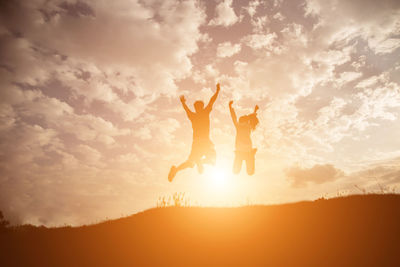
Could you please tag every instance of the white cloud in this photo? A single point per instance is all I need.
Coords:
(331, 58)
(225, 15)
(279, 16)
(373, 80)
(260, 24)
(252, 7)
(210, 70)
(359, 63)
(347, 76)
(295, 34)
(377, 102)
(259, 41)
(386, 46)
(227, 49)
(375, 22)
(122, 36)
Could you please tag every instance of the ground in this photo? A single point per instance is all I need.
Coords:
(349, 231)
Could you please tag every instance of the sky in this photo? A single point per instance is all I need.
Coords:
(90, 118)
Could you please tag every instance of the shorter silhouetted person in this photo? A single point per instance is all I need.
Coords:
(243, 145)
(202, 148)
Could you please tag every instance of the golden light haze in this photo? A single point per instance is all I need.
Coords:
(91, 120)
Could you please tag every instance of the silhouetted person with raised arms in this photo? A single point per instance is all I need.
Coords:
(202, 148)
(243, 145)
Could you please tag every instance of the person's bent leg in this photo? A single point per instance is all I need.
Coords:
(237, 163)
(174, 170)
(185, 165)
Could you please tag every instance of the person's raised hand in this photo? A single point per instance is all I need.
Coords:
(230, 103)
(256, 108)
(182, 98)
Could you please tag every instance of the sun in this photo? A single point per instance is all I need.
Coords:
(219, 186)
(219, 178)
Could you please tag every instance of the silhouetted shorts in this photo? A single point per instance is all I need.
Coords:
(202, 148)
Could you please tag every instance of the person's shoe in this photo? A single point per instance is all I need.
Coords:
(172, 173)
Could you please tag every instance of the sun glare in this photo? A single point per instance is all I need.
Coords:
(219, 177)
(219, 187)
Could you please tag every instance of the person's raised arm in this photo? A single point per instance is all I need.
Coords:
(189, 113)
(255, 109)
(233, 114)
(213, 98)
(254, 114)
(253, 120)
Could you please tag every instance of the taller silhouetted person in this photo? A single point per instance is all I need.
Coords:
(202, 148)
(243, 145)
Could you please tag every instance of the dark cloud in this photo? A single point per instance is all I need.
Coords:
(318, 174)
(77, 9)
(386, 173)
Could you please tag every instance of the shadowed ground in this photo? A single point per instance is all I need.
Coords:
(350, 231)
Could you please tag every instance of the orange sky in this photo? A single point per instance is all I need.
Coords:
(91, 120)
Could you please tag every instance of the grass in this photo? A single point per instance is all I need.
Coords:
(358, 230)
(177, 199)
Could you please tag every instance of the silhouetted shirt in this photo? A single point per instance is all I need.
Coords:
(200, 124)
(243, 140)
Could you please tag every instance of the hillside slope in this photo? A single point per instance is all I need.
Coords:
(350, 231)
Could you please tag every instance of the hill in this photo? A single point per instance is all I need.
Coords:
(350, 231)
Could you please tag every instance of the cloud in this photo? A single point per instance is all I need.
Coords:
(326, 61)
(386, 46)
(375, 22)
(384, 175)
(124, 37)
(347, 76)
(381, 175)
(279, 16)
(380, 101)
(259, 41)
(225, 15)
(318, 174)
(259, 24)
(77, 78)
(252, 7)
(227, 49)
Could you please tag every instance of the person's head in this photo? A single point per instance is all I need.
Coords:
(198, 106)
(251, 120)
(243, 119)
